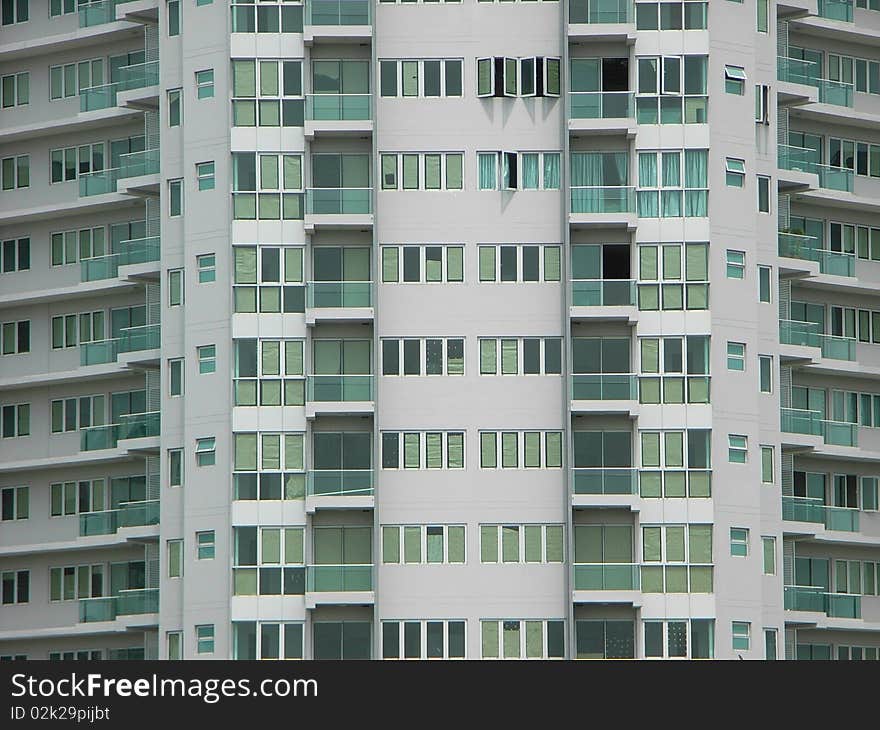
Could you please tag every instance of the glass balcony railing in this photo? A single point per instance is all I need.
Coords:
(339, 201)
(97, 97)
(97, 609)
(138, 425)
(606, 577)
(100, 182)
(799, 159)
(839, 433)
(340, 483)
(336, 294)
(604, 386)
(97, 438)
(338, 12)
(842, 519)
(135, 164)
(107, 522)
(339, 578)
(138, 76)
(99, 352)
(606, 481)
(800, 71)
(97, 13)
(797, 420)
(338, 107)
(137, 339)
(843, 605)
(812, 509)
(804, 598)
(125, 603)
(603, 292)
(139, 250)
(835, 178)
(836, 10)
(601, 104)
(339, 388)
(598, 199)
(806, 248)
(808, 334)
(99, 268)
(600, 11)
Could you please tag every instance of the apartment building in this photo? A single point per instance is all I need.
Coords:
(396, 330)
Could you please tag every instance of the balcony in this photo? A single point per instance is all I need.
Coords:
(612, 393)
(339, 395)
(808, 334)
(606, 577)
(338, 114)
(108, 522)
(100, 182)
(812, 509)
(839, 433)
(806, 161)
(836, 10)
(603, 299)
(126, 603)
(131, 339)
(339, 585)
(339, 489)
(130, 426)
(602, 112)
(339, 208)
(806, 248)
(350, 301)
(598, 481)
(797, 420)
(98, 13)
(603, 206)
(97, 97)
(139, 83)
(131, 252)
(817, 599)
(328, 21)
(806, 73)
(601, 20)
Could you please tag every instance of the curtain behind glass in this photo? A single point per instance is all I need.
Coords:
(696, 176)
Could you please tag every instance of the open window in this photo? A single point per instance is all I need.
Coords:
(485, 77)
(551, 76)
(734, 79)
(762, 104)
(670, 78)
(528, 79)
(510, 71)
(509, 171)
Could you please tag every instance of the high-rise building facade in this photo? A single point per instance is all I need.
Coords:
(356, 329)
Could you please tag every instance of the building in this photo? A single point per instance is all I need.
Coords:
(362, 329)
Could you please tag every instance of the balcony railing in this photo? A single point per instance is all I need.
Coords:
(800, 71)
(322, 578)
(107, 522)
(135, 164)
(840, 433)
(806, 248)
(808, 334)
(339, 201)
(601, 105)
(606, 481)
(340, 483)
(125, 603)
(812, 509)
(137, 339)
(97, 97)
(606, 577)
(99, 182)
(98, 352)
(604, 386)
(600, 11)
(98, 13)
(805, 159)
(139, 75)
(602, 199)
(130, 426)
(338, 12)
(339, 388)
(134, 251)
(99, 268)
(336, 294)
(338, 107)
(836, 10)
(603, 292)
(798, 420)
(818, 600)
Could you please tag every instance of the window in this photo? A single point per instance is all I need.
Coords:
(70, 246)
(205, 175)
(174, 641)
(268, 561)
(419, 264)
(681, 365)
(175, 197)
(740, 630)
(280, 461)
(423, 544)
(175, 287)
(765, 373)
(205, 84)
(521, 544)
(175, 110)
(675, 463)
(175, 377)
(763, 194)
(16, 337)
(15, 420)
(15, 255)
(736, 264)
(672, 90)
(518, 170)
(425, 78)
(734, 80)
(70, 414)
(762, 104)
(15, 90)
(422, 170)
(737, 449)
(73, 78)
(272, 368)
(267, 18)
(669, 189)
(175, 467)
(91, 654)
(605, 639)
(763, 8)
(736, 172)
(267, 640)
(520, 449)
(269, 93)
(207, 355)
(175, 558)
(268, 186)
(676, 15)
(663, 264)
(770, 644)
(205, 639)
(419, 356)
(205, 452)
(205, 545)
(521, 356)
(768, 468)
(68, 163)
(768, 545)
(15, 586)
(14, 503)
(173, 7)
(764, 284)
(736, 356)
(680, 640)
(686, 551)
(739, 542)
(86, 495)
(423, 449)
(530, 76)
(501, 263)
(15, 172)
(430, 639)
(516, 639)
(268, 279)
(206, 264)
(71, 329)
